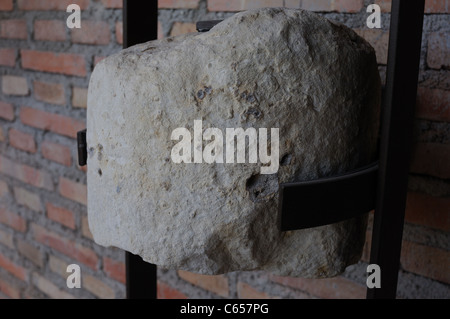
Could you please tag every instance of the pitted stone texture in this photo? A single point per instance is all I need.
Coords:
(270, 68)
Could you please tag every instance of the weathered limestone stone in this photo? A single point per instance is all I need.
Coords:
(315, 80)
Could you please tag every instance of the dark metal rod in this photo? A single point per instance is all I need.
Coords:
(140, 24)
(396, 142)
(140, 21)
(140, 277)
(205, 26)
(82, 147)
(301, 204)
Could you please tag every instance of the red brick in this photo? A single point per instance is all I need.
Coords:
(7, 111)
(431, 6)
(49, 288)
(114, 269)
(58, 266)
(43, 5)
(427, 261)
(56, 152)
(437, 6)
(329, 288)
(28, 199)
(6, 238)
(13, 29)
(365, 257)
(31, 252)
(119, 32)
(2, 135)
(112, 4)
(433, 104)
(85, 231)
(178, 4)
(79, 97)
(73, 190)
(379, 40)
(8, 289)
(49, 30)
(350, 6)
(65, 246)
(26, 174)
(4, 189)
(12, 220)
(97, 59)
(160, 30)
(51, 122)
(98, 287)
(49, 92)
(438, 52)
(333, 5)
(81, 168)
(92, 32)
(14, 85)
(216, 284)
(429, 211)
(317, 5)
(164, 291)
(22, 141)
(61, 215)
(245, 291)
(239, 5)
(385, 5)
(8, 57)
(6, 5)
(292, 4)
(431, 159)
(12, 268)
(63, 63)
(179, 28)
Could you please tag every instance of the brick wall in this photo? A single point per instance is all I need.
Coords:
(44, 74)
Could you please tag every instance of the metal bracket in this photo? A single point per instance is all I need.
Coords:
(204, 26)
(327, 200)
(82, 147)
(302, 205)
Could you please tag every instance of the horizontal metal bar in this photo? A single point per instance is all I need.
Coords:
(204, 26)
(327, 200)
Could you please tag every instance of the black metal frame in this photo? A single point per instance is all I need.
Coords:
(140, 25)
(405, 40)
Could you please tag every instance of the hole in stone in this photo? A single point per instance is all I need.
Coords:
(253, 111)
(261, 186)
(201, 94)
(286, 160)
(208, 89)
(100, 172)
(251, 98)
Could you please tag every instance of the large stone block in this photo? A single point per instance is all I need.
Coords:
(314, 80)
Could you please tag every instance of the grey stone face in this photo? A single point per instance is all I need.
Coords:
(270, 68)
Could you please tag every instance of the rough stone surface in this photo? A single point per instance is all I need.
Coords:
(270, 68)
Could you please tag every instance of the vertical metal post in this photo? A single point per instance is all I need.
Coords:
(140, 24)
(396, 141)
(140, 21)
